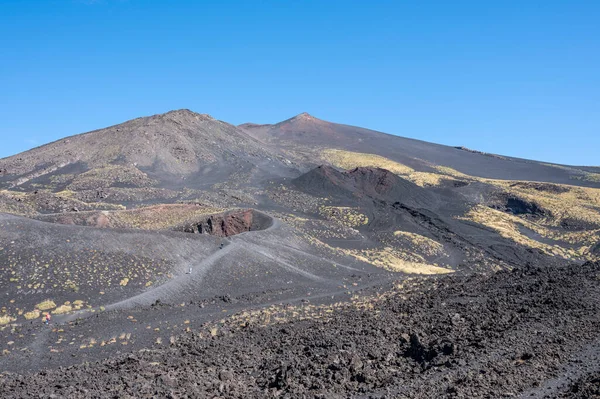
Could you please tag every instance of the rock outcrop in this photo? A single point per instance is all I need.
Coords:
(228, 224)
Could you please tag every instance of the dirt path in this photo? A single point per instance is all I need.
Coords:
(178, 285)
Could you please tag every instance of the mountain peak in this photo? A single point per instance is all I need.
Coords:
(184, 113)
(304, 116)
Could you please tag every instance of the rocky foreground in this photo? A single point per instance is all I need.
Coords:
(532, 332)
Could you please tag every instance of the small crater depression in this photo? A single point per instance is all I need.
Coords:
(517, 206)
(228, 223)
(520, 207)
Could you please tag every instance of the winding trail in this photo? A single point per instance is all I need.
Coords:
(176, 286)
(319, 279)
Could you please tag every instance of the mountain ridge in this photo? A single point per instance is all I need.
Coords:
(305, 117)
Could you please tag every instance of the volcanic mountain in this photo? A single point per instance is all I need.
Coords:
(176, 233)
(165, 147)
(307, 132)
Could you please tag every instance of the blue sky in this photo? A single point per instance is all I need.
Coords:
(519, 78)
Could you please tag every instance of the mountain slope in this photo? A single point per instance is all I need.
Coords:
(172, 144)
(375, 183)
(313, 134)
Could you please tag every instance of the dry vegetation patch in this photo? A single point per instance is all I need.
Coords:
(14, 202)
(348, 216)
(350, 160)
(109, 175)
(68, 272)
(507, 226)
(160, 217)
(594, 177)
(43, 200)
(34, 314)
(564, 202)
(427, 179)
(6, 319)
(279, 314)
(445, 170)
(46, 305)
(427, 245)
(565, 205)
(389, 259)
(156, 217)
(62, 309)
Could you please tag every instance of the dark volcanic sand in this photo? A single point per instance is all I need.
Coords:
(531, 331)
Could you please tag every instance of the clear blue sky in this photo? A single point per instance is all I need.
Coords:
(519, 78)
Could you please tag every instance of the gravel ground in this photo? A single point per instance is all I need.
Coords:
(499, 335)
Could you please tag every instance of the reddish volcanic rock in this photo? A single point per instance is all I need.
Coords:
(228, 224)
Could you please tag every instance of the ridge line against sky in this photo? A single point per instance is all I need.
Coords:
(517, 78)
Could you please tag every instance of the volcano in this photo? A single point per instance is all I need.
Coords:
(303, 258)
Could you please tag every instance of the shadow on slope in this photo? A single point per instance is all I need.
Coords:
(363, 183)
